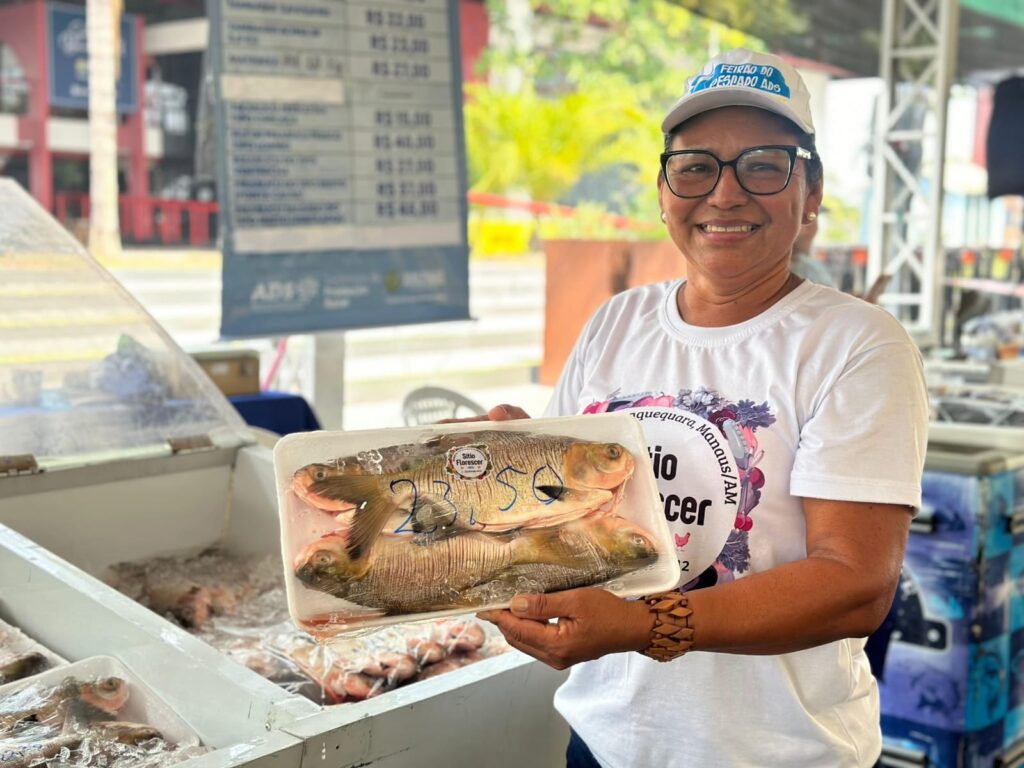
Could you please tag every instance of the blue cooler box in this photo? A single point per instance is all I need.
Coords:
(950, 679)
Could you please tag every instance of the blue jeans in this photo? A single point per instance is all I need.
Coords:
(577, 754)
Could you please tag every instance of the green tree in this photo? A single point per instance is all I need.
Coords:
(770, 18)
(598, 76)
(653, 45)
(542, 145)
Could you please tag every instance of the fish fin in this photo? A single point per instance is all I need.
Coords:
(553, 492)
(507, 535)
(575, 497)
(374, 507)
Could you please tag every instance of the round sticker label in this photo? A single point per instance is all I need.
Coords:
(469, 462)
(695, 467)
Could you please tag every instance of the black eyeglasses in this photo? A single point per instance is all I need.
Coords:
(759, 170)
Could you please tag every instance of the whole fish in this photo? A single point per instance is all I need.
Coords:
(37, 753)
(490, 480)
(37, 704)
(404, 576)
(21, 665)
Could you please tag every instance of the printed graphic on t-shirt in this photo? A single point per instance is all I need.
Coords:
(705, 456)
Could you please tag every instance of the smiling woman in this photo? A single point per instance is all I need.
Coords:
(736, 222)
(816, 398)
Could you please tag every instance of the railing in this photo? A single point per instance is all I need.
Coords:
(847, 264)
(149, 219)
(538, 208)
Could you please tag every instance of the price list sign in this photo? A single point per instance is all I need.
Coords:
(341, 164)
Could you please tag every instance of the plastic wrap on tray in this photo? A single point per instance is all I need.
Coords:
(357, 668)
(22, 657)
(239, 606)
(385, 526)
(91, 713)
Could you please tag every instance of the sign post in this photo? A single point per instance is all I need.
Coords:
(341, 164)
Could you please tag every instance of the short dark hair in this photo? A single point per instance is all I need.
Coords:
(815, 171)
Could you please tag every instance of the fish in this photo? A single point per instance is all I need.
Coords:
(426, 651)
(124, 732)
(33, 703)
(618, 548)
(408, 577)
(356, 686)
(448, 664)
(404, 576)
(489, 480)
(190, 604)
(36, 753)
(22, 665)
(459, 636)
(392, 666)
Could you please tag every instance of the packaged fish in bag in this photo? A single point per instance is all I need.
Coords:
(21, 656)
(94, 712)
(358, 667)
(387, 526)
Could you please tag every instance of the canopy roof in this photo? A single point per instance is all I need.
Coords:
(845, 35)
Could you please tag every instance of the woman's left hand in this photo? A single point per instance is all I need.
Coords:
(591, 623)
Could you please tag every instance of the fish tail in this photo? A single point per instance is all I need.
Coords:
(374, 506)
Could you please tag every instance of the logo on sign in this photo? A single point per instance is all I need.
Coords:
(469, 462)
(697, 481)
(761, 78)
(71, 40)
(285, 291)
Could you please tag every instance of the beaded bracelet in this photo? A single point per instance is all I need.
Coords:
(671, 635)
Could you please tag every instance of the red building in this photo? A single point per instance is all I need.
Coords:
(167, 193)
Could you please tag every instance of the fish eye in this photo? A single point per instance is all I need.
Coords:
(320, 474)
(323, 558)
(614, 451)
(638, 540)
(109, 685)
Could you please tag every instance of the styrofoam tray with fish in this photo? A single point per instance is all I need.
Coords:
(142, 705)
(22, 657)
(386, 526)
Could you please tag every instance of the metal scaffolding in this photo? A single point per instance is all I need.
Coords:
(918, 56)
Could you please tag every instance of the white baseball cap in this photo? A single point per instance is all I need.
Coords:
(744, 78)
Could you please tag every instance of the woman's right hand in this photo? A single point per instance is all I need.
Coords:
(502, 412)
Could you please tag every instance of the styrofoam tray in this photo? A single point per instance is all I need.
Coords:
(309, 608)
(143, 705)
(13, 641)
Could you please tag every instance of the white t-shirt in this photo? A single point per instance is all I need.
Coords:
(824, 396)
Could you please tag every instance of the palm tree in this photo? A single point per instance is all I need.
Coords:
(103, 20)
(541, 145)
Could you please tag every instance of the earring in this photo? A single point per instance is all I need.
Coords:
(811, 216)
(664, 217)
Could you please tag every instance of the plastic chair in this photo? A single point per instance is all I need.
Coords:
(428, 405)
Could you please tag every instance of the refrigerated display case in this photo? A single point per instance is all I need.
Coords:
(952, 682)
(115, 447)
